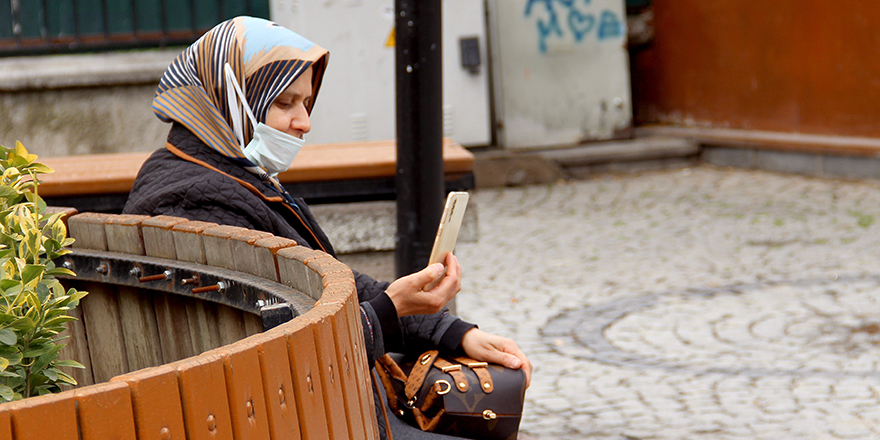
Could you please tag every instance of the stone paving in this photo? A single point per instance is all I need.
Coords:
(701, 303)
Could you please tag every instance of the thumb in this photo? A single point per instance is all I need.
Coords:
(429, 274)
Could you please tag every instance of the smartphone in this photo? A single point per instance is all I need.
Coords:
(447, 232)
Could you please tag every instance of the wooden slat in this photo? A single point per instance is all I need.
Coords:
(253, 324)
(105, 412)
(218, 246)
(139, 329)
(77, 348)
(30, 417)
(203, 326)
(88, 230)
(124, 234)
(171, 317)
(75, 175)
(104, 332)
(265, 250)
(331, 377)
(244, 385)
(334, 342)
(155, 398)
(307, 385)
(244, 254)
(158, 239)
(362, 369)
(278, 385)
(5, 425)
(203, 395)
(188, 241)
(230, 325)
(294, 272)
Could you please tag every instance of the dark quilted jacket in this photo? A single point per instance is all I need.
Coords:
(169, 185)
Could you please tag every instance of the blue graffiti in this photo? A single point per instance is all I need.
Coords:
(579, 23)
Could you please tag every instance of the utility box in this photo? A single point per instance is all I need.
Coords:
(357, 98)
(561, 71)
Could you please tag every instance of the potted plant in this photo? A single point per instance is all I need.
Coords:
(34, 306)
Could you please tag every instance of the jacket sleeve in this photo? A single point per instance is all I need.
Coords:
(385, 332)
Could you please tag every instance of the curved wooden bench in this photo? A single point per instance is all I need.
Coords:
(169, 357)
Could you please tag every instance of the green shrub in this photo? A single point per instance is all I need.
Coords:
(34, 305)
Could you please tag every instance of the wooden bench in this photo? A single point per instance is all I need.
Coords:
(169, 356)
(341, 172)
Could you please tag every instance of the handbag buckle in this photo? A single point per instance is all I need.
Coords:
(440, 384)
(489, 414)
(451, 368)
(473, 365)
(411, 403)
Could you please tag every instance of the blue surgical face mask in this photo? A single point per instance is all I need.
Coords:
(272, 149)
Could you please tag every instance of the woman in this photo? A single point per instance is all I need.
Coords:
(220, 163)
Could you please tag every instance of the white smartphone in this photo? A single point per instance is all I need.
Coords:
(447, 232)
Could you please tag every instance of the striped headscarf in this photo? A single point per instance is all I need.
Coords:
(266, 59)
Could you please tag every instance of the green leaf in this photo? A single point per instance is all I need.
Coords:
(31, 272)
(59, 321)
(8, 337)
(13, 358)
(66, 378)
(3, 363)
(51, 373)
(6, 393)
(8, 192)
(59, 271)
(70, 364)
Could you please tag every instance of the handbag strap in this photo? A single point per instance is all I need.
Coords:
(418, 374)
(454, 370)
(481, 369)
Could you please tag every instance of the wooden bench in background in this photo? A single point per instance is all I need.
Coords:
(343, 172)
(169, 359)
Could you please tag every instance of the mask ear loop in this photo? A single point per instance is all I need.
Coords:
(232, 88)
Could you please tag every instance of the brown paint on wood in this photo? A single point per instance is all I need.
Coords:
(331, 377)
(77, 348)
(29, 417)
(795, 67)
(105, 412)
(171, 318)
(158, 239)
(75, 175)
(104, 332)
(244, 385)
(347, 370)
(155, 398)
(188, 240)
(360, 363)
(277, 385)
(204, 398)
(124, 234)
(5, 425)
(265, 250)
(307, 385)
(140, 330)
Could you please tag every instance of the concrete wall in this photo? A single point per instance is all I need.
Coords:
(80, 104)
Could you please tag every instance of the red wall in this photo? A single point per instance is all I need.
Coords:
(799, 66)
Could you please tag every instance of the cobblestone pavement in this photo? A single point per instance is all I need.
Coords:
(701, 303)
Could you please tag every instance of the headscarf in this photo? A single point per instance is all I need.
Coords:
(265, 57)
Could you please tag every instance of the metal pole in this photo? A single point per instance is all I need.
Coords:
(419, 179)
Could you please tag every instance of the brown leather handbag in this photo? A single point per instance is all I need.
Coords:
(455, 396)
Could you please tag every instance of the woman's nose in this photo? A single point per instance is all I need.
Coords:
(300, 121)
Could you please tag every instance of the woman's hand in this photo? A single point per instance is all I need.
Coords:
(486, 347)
(408, 297)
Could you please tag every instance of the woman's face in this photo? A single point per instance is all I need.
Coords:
(288, 113)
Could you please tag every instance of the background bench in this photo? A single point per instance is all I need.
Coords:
(344, 172)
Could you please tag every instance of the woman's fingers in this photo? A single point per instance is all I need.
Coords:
(487, 347)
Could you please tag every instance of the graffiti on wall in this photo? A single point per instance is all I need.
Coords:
(571, 17)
